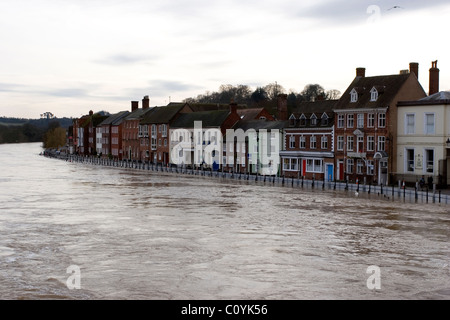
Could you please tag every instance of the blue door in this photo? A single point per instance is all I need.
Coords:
(330, 172)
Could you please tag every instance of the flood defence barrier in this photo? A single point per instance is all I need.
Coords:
(398, 192)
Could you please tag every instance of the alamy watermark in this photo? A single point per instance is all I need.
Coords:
(374, 280)
(375, 14)
(201, 146)
(74, 281)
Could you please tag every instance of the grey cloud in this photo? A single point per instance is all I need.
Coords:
(167, 86)
(355, 11)
(10, 87)
(67, 93)
(126, 59)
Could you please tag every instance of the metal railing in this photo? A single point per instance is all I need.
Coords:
(391, 192)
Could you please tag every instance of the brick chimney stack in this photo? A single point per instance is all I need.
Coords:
(233, 107)
(361, 72)
(414, 68)
(134, 105)
(146, 103)
(434, 78)
(282, 107)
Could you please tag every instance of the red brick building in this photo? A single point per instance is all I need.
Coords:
(308, 141)
(154, 132)
(131, 136)
(366, 125)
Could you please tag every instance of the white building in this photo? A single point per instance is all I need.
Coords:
(423, 132)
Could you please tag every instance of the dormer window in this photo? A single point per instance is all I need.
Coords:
(353, 96)
(302, 120)
(313, 120)
(292, 120)
(373, 94)
(324, 119)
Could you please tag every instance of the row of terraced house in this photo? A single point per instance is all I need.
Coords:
(383, 129)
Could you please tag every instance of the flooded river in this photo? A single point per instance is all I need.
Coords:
(76, 231)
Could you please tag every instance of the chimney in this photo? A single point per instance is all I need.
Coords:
(145, 102)
(414, 68)
(134, 105)
(233, 107)
(361, 72)
(282, 107)
(434, 78)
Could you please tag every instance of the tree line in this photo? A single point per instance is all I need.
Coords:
(264, 95)
(52, 135)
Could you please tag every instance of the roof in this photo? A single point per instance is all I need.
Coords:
(138, 113)
(200, 107)
(317, 108)
(249, 114)
(260, 124)
(442, 97)
(115, 119)
(208, 118)
(162, 114)
(387, 87)
(439, 96)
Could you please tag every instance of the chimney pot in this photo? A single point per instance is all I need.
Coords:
(145, 102)
(414, 68)
(434, 78)
(361, 72)
(282, 107)
(134, 105)
(233, 107)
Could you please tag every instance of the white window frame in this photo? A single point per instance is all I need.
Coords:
(373, 95)
(426, 129)
(350, 120)
(370, 120)
(341, 121)
(407, 128)
(360, 120)
(381, 145)
(350, 143)
(382, 120)
(340, 143)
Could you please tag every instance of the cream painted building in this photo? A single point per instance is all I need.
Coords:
(423, 132)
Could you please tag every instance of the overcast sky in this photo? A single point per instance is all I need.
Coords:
(69, 57)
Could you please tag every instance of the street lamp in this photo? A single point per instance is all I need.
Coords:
(448, 142)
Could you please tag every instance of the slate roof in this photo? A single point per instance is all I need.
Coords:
(208, 118)
(200, 107)
(162, 114)
(260, 124)
(387, 86)
(115, 118)
(138, 113)
(250, 113)
(442, 97)
(318, 108)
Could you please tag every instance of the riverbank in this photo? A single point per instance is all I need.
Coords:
(389, 193)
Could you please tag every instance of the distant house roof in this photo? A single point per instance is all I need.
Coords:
(260, 124)
(250, 113)
(200, 107)
(208, 118)
(115, 118)
(442, 97)
(387, 87)
(439, 96)
(319, 108)
(138, 113)
(162, 114)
